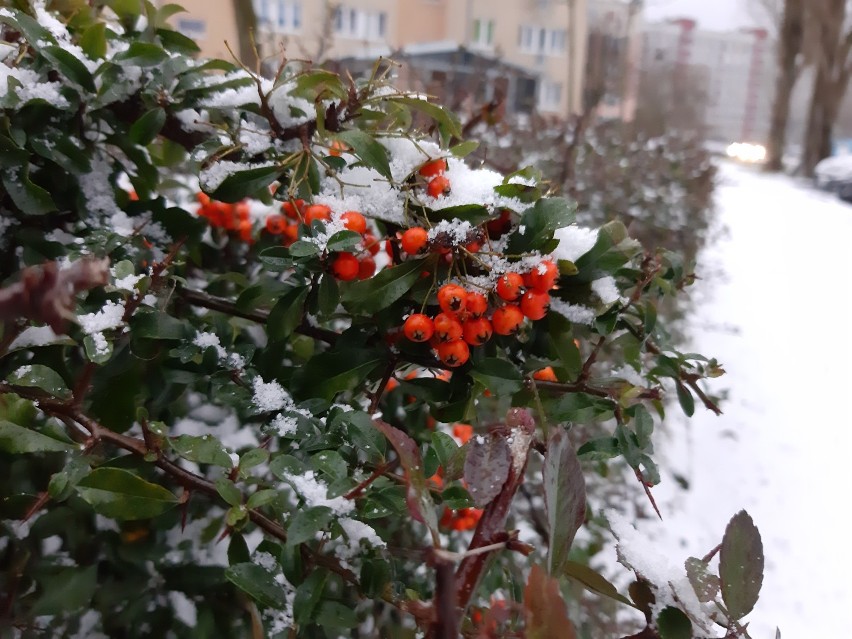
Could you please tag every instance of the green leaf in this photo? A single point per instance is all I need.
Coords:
(63, 483)
(94, 352)
(687, 401)
(157, 325)
(69, 67)
(456, 497)
(93, 41)
(464, 148)
(375, 577)
(445, 446)
(202, 449)
(331, 463)
(741, 565)
(119, 494)
(70, 589)
(303, 248)
(332, 372)
(41, 377)
(308, 595)
(276, 259)
(343, 241)
(228, 491)
(594, 581)
(262, 498)
(258, 583)
(142, 54)
(370, 152)
(307, 522)
(540, 222)
(499, 376)
(564, 498)
(333, 614)
(448, 123)
(372, 295)
(644, 425)
(287, 314)
(17, 439)
(601, 449)
(245, 183)
(672, 623)
(30, 198)
(147, 127)
(328, 295)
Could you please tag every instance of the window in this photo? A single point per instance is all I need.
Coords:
(483, 34)
(540, 41)
(192, 28)
(550, 95)
(363, 25)
(279, 15)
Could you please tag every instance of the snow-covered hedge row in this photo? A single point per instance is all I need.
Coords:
(277, 363)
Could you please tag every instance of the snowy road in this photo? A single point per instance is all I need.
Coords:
(782, 448)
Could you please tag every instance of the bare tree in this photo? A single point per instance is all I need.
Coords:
(832, 35)
(791, 41)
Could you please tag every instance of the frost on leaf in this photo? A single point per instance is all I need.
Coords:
(486, 468)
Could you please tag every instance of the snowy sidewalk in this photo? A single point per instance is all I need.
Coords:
(780, 322)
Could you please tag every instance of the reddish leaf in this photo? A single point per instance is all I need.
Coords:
(564, 498)
(741, 565)
(704, 583)
(418, 498)
(546, 614)
(486, 467)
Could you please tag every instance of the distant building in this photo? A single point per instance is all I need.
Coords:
(738, 69)
(547, 39)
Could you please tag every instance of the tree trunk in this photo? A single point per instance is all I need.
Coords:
(791, 39)
(246, 22)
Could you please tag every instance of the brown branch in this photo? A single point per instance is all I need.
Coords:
(597, 391)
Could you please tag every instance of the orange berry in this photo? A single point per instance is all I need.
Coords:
(544, 276)
(510, 286)
(366, 267)
(133, 195)
(454, 353)
(291, 234)
(500, 226)
(414, 240)
(447, 328)
(370, 244)
(534, 304)
(476, 304)
(317, 212)
(463, 431)
(545, 375)
(276, 224)
(438, 186)
(507, 320)
(354, 221)
(202, 198)
(242, 210)
(345, 267)
(292, 210)
(433, 168)
(473, 247)
(337, 147)
(245, 230)
(477, 331)
(452, 298)
(418, 328)
(392, 383)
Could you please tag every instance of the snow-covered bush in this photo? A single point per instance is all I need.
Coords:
(301, 401)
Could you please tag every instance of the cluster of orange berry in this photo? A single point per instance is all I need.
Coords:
(438, 183)
(463, 322)
(231, 217)
(344, 265)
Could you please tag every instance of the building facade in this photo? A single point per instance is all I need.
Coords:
(737, 68)
(545, 37)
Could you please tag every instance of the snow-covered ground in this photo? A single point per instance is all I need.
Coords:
(776, 309)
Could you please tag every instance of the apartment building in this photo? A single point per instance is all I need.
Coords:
(547, 38)
(738, 68)
(614, 57)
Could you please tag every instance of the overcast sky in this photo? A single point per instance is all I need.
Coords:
(711, 14)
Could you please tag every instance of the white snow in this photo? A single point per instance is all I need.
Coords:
(35, 336)
(781, 448)
(110, 316)
(269, 396)
(574, 242)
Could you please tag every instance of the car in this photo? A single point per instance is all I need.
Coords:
(835, 174)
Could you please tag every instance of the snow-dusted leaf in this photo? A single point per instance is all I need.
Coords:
(418, 498)
(564, 498)
(307, 522)
(370, 152)
(41, 377)
(486, 467)
(741, 565)
(539, 222)
(258, 583)
(546, 613)
(704, 583)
